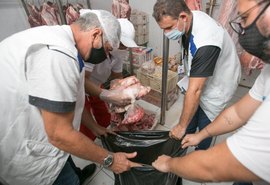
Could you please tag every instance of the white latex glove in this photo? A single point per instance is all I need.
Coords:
(116, 97)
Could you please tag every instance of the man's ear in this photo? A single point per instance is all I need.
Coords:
(183, 16)
(96, 32)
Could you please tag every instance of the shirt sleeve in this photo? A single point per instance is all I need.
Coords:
(117, 64)
(257, 89)
(204, 61)
(53, 79)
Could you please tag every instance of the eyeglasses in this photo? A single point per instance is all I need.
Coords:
(236, 22)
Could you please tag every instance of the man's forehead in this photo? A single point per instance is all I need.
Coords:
(166, 21)
(244, 5)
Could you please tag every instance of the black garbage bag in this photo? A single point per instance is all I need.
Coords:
(148, 145)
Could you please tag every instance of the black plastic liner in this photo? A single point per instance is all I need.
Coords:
(148, 145)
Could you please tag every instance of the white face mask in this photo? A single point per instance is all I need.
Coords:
(175, 34)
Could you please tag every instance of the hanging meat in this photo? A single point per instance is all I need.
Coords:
(47, 14)
(34, 18)
(194, 4)
(50, 14)
(121, 9)
(71, 14)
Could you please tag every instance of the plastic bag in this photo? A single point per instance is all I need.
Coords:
(149, 145)
(148, 67)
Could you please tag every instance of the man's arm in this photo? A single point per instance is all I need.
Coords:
(90, 87)
(115, 75)
(229, 120)
(206, 166)
(62, 135)
(191, 103)
(202, 67)
(110, 96)
(90, 123)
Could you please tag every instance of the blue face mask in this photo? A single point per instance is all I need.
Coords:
(175, 34)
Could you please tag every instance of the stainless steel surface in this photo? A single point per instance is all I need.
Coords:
(165, 56)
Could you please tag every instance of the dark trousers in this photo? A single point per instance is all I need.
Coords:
(69, 174)
(200, 120)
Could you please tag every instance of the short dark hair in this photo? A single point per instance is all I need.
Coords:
(169, 8)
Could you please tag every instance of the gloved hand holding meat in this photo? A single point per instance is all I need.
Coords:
(123, 91)
(130, 87)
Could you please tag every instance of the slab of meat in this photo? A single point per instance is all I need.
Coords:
(49, 14)
(123, 83)
(194, 4)
(78, 6)
(34, 18)
(133, 115)
(135, 91)
(116, 118)
(121, 9)
(146, 123)
(71, 14)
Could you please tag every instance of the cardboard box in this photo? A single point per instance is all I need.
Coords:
(155, 80)
(154, 97)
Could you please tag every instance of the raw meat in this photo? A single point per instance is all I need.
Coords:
(48, 14)
(34, 18)
(121, 9)
(135, 91)
(123, 83)
(146, 123)
(116, 118)
(133, 115)
(71, 14)
(194, 4)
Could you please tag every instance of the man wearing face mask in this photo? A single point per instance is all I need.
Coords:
(245, 155)
(43, 99)
(211, 64)
(97, 74)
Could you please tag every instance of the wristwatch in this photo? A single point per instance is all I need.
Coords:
(107, 161)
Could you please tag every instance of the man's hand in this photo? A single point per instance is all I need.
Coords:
(177, 132)
(121, 162)
(116, 97)
(162, 163)
(191, 140)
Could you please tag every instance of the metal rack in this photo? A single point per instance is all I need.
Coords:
(59, 5)
(210, 7)
(165, 57)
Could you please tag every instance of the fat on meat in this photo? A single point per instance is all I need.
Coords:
(133, 115)
(34, 18)
(123, 83)
(121, 9)
(194, 4)
(131, 87)
(49, 15)
(71, 14)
